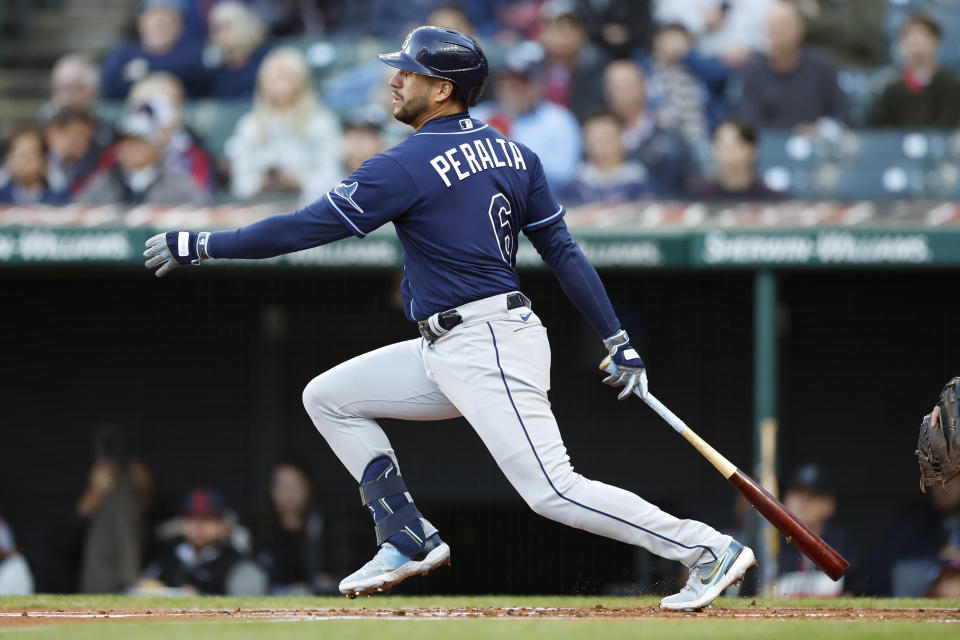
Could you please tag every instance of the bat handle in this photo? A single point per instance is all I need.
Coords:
(670, 417)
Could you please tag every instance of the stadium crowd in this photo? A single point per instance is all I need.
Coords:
(622, 99)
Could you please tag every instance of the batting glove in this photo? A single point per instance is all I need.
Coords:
(167, 251)
(631, 373)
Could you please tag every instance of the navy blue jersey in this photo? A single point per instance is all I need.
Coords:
(458, 194)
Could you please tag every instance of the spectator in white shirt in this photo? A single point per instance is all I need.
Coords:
(290, 144)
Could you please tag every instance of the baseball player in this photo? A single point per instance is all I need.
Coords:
(458, 194)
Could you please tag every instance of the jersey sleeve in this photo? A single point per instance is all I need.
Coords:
(378, 192)
(543, 209)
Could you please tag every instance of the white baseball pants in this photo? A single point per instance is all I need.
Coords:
(494, 370)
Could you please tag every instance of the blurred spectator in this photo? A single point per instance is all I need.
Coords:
(238, 47)
(452, 16)
(606, 176)
(926, 94)
(196, 16)
(74, 82)
(682, 97)
(947, 582)
(662, 153)
(456, 16)
(291, 544)
(573, 66)
(921, 540)
(163, 46)
(386, 19)
(729, 30)
(287, 18)
(849, 31)
(810, 496)
(791, 87)
(139, 176)
(735, 164)
(619, 27)
(74, 150)
(361, 141)
(520, 112)
(16, 578)
(203, 561)
(113, 507)
(163, 93)
(25, 172)
(290, 143)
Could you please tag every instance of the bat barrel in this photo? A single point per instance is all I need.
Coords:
(812, 545)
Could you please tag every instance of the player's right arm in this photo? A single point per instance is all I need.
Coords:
(548, 233)
(379, 191)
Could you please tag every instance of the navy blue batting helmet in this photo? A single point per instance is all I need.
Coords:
(443, 53)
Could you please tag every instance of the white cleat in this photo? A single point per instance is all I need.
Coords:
(709, 579)
(390, 567)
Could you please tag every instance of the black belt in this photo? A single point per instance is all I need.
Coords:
(450, 318)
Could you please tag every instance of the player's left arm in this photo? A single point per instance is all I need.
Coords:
(582, 285)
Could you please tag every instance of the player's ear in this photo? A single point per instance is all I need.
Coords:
(444, 90)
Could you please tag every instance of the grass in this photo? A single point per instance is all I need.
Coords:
(495, 630)
(426, 629)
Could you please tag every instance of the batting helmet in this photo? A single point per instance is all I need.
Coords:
(443, 53)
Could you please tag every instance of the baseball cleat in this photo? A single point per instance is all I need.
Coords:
(709, 579)
(390, 567)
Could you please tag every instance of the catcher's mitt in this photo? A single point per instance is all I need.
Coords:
(938, 449)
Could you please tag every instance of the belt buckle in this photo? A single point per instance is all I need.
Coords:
(424, 328)
(516, 300)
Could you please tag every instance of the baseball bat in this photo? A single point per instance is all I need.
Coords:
(795, 531)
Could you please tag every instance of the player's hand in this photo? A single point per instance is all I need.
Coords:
(631, 373)
(166, 251)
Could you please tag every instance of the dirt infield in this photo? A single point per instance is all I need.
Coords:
(25, 617)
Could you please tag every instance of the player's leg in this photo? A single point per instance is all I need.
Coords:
(497, 374)
(343, 403)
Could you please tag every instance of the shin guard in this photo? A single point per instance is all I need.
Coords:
(395, 517)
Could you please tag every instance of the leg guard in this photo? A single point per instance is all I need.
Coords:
(395, 517)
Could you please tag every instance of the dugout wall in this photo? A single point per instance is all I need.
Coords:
(203, 370)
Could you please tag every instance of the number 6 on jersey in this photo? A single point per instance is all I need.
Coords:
(500, 219)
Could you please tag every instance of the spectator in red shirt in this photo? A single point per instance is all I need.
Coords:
(926, 94)
(163, 94)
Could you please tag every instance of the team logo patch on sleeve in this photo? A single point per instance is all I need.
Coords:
(346, 192)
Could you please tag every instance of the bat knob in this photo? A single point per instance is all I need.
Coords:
(608, 365)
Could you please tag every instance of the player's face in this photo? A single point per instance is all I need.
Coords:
(410, 95)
